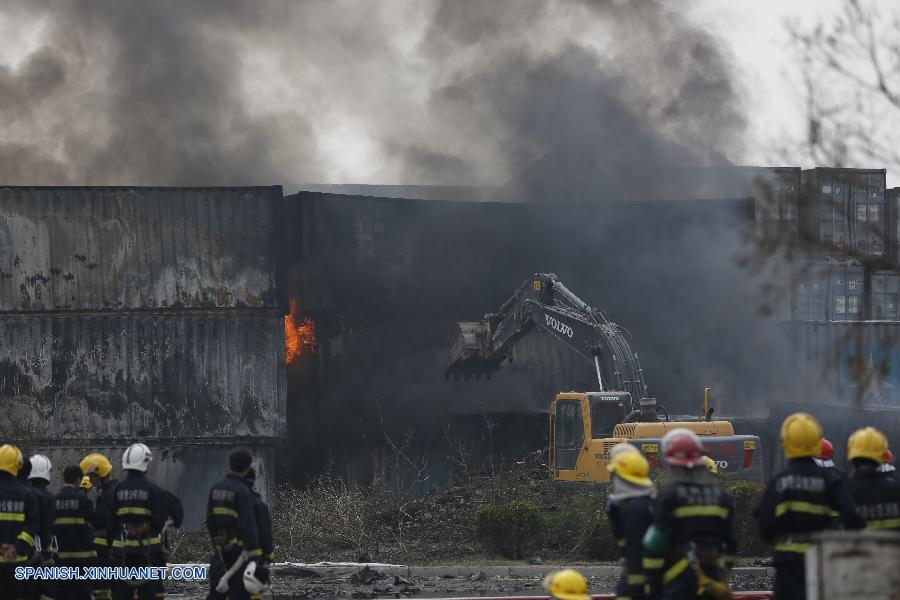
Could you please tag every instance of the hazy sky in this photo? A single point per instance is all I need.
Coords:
(757, 35)
(384, 92)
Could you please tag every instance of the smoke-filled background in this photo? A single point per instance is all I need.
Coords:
(572, 106)
(461, 92)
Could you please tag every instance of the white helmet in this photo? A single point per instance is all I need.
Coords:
(40, 467)
(137, 457)
(251, 583)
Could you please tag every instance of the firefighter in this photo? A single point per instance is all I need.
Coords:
(99, 471)
(137, 514)
(688, 548)
(39, 479)
(799, 500)
(256, 576)
(263, 518)
(887, 468)
(232, 525)
(877, 498)
(74, 535)
(19, 523)
(630, 510)
(39, 468)
(567, 584)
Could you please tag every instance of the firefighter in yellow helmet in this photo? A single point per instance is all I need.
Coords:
(99, 471)
(567, 584)
(630, 511)
(799, 500)
(688, 549)
(877, 498)
(20, 522)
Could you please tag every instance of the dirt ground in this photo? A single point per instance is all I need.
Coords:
(386, 586)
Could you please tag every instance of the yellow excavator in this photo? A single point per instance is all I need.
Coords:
(584, 426)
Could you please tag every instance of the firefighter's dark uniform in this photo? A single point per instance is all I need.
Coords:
(137, 514)
(100, 522)
(630, 519)
(231, 522)
(877, 499)
(264, 528)
(19, 523)
(697, 518)
(34, 588)
(799, 500)
(73, 514)
(45, 509)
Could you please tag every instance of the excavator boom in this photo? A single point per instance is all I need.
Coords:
(544, 304)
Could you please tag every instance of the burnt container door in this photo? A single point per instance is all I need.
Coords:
(811, 299)
(846, 291)
(894, 222)
(867, 208)
(885, 288)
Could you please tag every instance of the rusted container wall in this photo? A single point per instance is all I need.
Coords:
(136, 248)
(186, 470)
(149, 376)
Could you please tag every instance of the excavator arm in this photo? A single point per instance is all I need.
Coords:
(543, 303)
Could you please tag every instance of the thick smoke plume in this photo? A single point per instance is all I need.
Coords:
(454, 92)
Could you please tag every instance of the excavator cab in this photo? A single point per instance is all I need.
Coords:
(577, 418)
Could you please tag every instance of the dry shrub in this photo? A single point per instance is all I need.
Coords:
(329, 519)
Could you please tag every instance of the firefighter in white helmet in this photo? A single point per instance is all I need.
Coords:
(138, 514)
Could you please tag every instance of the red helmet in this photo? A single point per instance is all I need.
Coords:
(682, 448)
(888, 457)
(827, 451)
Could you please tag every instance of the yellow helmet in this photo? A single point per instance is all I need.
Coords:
(801, 436)
(10, 459)
(710, 465)
(869, 443)
(95, 463)
(86, 483)
(567, 584)
(630, 466)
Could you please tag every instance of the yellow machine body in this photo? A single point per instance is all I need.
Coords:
(583, 431)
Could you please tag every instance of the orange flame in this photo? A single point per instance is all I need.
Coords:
(298, 338)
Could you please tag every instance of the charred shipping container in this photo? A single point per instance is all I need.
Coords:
(145, 314)
(849, 364)
(893, 219)
(829, 290)
(843, 210)
(777, 194)
(384, 280)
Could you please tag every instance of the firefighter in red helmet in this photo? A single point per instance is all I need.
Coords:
(688, 548)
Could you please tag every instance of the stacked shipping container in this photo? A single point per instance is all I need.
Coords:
(842, 212)
(142, 314)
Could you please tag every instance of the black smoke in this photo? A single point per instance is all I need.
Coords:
(454, 92)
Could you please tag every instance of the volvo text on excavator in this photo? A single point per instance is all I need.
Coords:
(584, 426)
